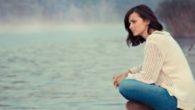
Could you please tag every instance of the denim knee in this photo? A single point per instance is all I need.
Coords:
(126, 86)
(138, 91)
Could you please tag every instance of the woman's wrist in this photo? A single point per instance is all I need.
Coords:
(126, 74)
(129, 71)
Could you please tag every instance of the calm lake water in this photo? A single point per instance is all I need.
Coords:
(68, 68)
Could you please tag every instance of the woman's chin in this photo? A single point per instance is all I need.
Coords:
(135, 34)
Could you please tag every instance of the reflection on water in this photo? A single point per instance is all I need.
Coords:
(55, 71)
(47, 72)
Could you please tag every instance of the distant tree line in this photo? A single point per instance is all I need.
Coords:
(59, 11)
(178, 16)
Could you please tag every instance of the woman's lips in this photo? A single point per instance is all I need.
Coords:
(133, 31)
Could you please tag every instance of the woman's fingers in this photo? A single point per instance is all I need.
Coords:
(115, 82)
(117, 79)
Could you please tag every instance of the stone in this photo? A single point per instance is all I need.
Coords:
(131, 105)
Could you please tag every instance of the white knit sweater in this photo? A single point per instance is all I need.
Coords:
(165, 65)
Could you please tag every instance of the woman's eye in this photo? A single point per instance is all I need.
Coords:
(132, 21)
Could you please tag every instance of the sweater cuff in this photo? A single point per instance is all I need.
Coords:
(130, 76)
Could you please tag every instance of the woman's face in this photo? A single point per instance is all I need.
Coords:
(138, 26)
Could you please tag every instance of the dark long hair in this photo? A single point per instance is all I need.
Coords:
(146, 14)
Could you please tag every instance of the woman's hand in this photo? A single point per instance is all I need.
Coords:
(118, 78)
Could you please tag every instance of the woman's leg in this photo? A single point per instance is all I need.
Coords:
(151, 95)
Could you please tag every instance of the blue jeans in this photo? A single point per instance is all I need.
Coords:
(149, 94)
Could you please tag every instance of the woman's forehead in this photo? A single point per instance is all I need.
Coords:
(133, 16)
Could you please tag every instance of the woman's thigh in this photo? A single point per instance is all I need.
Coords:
(149, 94)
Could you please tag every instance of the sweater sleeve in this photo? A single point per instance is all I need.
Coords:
(152, 64)
(135, 69)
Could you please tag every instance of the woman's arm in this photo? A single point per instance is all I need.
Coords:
(153, 61)
(135, 70)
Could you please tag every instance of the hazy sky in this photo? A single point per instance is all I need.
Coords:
(12, 11)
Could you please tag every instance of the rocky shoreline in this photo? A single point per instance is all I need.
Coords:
(188, 46)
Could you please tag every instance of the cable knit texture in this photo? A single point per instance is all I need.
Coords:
(165, 65)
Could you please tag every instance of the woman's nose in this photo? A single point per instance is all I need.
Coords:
(130, 26)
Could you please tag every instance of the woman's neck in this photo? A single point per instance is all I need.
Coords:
(147, 33)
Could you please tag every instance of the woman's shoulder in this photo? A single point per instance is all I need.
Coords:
(159, 37)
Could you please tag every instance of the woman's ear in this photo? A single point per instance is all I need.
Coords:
(147, 22)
